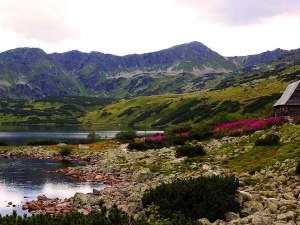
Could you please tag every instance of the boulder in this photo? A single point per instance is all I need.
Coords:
(142, 175)
(83, 147)
(261, 218)
(203, 221)
(231, 216)
(32, 206)
(60, 145)
(251, 207)
(286, 216)
(85, 199)
(289, 196)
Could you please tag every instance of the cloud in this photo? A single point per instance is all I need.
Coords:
(242, 12)
(39, 20)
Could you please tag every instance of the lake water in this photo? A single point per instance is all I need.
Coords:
(21, 135)
(21, 178)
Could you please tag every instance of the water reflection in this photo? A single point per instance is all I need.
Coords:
(28, 178)
(21, 135)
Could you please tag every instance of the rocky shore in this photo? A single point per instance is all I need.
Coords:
(269, 196)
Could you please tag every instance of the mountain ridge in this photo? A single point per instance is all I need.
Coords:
(31, 73)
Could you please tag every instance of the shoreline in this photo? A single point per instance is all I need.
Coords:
(267, 196)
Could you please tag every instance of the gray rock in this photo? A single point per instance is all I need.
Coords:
(86, 199)
(286, 216)
(252, 207)
(245, 196)
(83, 147)
(289, 196)
(142, 175)
(231, 216)
(219, 222)
(272, 207)
(203, 221)
(261, 218)
(60, 145)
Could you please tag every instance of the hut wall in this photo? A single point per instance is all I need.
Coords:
(287, 111)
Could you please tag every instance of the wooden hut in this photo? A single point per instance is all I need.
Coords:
(289, 103)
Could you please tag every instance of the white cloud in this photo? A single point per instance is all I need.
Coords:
(36, 20)
(229, 27)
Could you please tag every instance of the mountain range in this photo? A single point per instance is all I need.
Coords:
(30, 73)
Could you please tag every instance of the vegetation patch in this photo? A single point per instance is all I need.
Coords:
(65, 151)
(269, 140)
(190, 151)
(203, 197)
(42, 142)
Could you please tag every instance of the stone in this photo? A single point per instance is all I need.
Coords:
(286, 216)
(83, 147)
(219, 222)
(272, 207)
(85, 199)
(261, 218)
(60, 145)
(203, 221)
(33, 206)
(245, 196)
(142, 175)
(289, 196)
(231, 216)
(42, 198)
(268, 194)
(252, 207)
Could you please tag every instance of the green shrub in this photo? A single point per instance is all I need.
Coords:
(42, 142)
(65, 151)
(298, 168)
(126, 136)
(93, 138)
(190, 151)
(203, 197)
(200, 132)
(136, 146)
(269, 140)
(2, 143)
(177, 140)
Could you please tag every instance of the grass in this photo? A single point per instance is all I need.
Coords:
(243, 156)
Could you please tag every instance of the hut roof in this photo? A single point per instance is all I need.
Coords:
(287, 93)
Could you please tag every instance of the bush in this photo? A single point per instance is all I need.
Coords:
(42, 142)
(177, 140)
(298, 168)
(269, 140)
(65, 151)
(136, 146)
(126, 136)
(2, 143)
(200, 133)
(203, 197)
(190, 151)
(93, 138)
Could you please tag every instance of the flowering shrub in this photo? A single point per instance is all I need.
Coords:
(244, 126)
(241, 123)
(263, 124)
(156, 137)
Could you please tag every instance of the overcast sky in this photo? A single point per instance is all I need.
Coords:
(121, 27)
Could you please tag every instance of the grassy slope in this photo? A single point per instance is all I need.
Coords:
(241, 155)
(126, 111)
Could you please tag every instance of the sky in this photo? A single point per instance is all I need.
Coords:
(122, 27)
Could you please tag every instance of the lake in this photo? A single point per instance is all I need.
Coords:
(21, 135)
(28, 178)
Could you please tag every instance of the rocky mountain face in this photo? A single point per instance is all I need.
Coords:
(31, 73)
